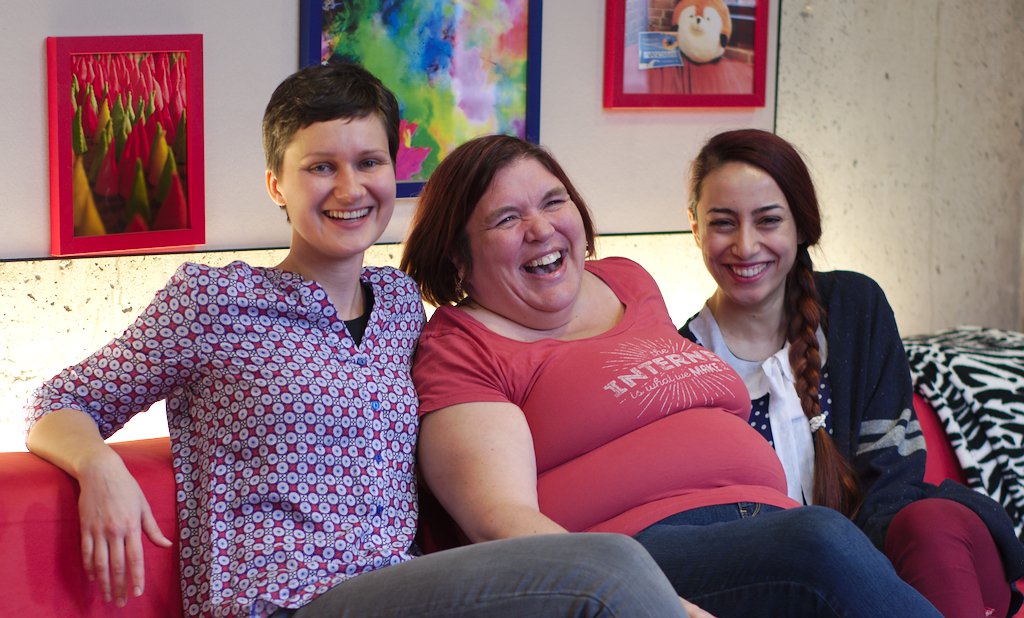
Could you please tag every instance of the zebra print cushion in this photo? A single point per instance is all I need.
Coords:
(974, 378)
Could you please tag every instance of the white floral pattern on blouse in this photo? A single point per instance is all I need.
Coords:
(292, 446)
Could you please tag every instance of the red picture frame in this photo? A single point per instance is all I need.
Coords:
(645, 65)
(126, 144)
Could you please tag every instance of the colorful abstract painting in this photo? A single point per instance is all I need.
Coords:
(460, 68)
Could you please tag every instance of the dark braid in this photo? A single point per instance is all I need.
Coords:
(835, 484)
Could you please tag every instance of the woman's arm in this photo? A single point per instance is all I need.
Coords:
(872, 399)
(478, 460)
(112, 509)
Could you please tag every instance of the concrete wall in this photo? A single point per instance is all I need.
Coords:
(912, 117)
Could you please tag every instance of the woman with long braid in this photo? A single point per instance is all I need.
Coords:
(829, 380)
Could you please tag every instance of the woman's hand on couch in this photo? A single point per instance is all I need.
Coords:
(113, 511)
(114, 514)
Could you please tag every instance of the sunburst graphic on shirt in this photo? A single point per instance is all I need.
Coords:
(661, 376)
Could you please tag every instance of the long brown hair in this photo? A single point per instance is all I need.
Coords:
(835, 483)
(437, 238)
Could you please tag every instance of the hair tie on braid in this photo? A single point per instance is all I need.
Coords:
(817, 422)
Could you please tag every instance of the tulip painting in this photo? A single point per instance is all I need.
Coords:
(126, 168)
(142, 101)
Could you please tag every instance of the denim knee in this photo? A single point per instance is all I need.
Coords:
(620, 575)
(827, 527)
(612, 551)
(831, 540)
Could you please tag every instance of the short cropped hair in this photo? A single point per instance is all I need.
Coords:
(437, 238)
(324, 92)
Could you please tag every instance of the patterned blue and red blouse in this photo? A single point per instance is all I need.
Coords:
(292, 444)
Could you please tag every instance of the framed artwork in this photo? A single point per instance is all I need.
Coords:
(685, 53)
(126, 143)
(458, 69)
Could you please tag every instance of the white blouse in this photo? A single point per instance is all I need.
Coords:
(791, 431)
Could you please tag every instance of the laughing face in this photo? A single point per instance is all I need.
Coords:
(747, 234)
(337, 184)
(527, 243)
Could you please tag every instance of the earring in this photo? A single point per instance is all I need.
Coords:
(459, 292)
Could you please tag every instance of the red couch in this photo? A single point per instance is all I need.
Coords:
(941, 462)
(41, 569)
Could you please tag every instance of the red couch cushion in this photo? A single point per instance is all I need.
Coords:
(941, 462)
(39, 521)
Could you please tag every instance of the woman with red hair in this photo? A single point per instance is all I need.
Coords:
(829, 380)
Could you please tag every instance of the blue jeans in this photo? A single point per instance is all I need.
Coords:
(582, 575)
(735, 559)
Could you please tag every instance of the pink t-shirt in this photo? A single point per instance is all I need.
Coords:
(629, 426)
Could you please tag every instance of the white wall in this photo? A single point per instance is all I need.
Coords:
(910, 115)
(248, 47)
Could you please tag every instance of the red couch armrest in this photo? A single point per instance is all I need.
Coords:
(41, 570)
(941, 462)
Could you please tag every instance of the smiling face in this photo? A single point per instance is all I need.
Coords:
(747, 234)
(527, 245)
(337, 184)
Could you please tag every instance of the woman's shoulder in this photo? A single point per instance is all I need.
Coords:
(844, 278)
(391, 278)
(232, 271)
(615, 264)
(397, 293)
(625, 277)
(449, 321)
(235, 276)
(236, 283)
(700, 327)
(849, 299)
(846, 284)
(195, 275)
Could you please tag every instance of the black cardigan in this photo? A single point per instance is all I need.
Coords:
(873, 419)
